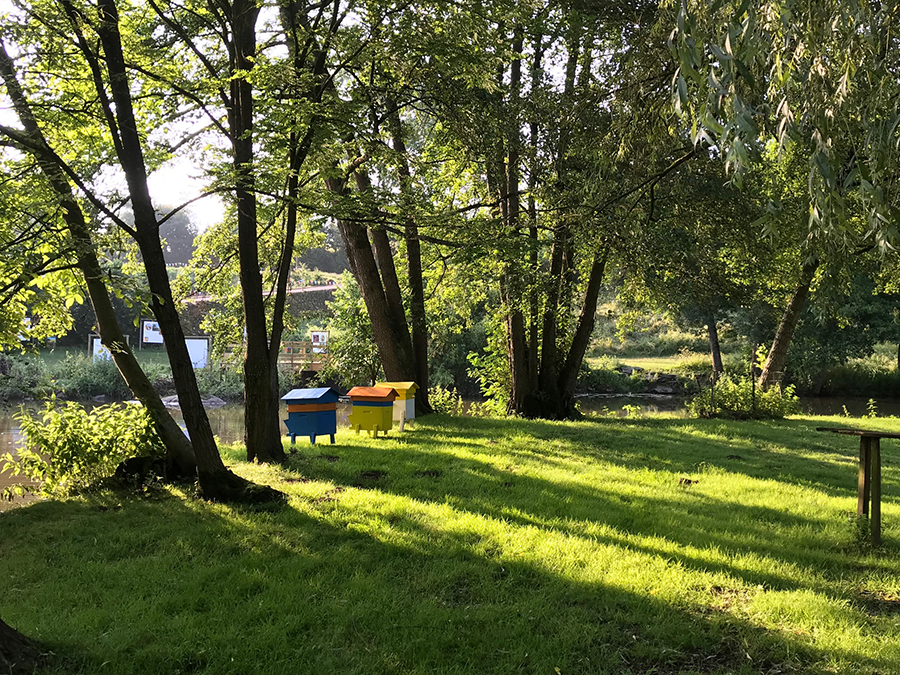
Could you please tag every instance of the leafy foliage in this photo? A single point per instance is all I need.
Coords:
(353, 355)
(70, 448)
(446, 401)
(738, 398)
(820, 75)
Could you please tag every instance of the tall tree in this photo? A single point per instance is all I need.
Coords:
(92, 45)
(30, 139)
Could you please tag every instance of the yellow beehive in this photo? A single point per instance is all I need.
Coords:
(405, 403)
(372, 409)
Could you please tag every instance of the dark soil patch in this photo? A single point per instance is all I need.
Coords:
(879, 603)
(328, 458)
(429, 473)
(368, 479)
(329, 496)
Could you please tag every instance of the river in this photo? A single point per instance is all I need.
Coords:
(228, 421)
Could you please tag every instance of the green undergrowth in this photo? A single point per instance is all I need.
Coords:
(477, 546)
(76, 376)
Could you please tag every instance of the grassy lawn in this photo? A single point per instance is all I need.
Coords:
(656, 364)
(482, 546)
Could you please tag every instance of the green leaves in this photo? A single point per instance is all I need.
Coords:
(70, 448)
(814, 74)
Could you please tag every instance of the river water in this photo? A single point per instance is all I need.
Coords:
(228, 421)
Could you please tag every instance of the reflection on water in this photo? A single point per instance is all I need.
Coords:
(228, 421)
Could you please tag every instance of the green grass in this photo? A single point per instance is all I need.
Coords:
(482, 546)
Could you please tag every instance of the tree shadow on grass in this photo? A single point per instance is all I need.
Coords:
(683, 518)
(786, 450)
(187, 587)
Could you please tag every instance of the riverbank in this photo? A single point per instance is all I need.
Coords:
(481, 545)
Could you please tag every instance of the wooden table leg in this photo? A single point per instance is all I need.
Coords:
(875, 471)
(862, 501)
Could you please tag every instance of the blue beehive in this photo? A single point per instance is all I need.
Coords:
(311, 412)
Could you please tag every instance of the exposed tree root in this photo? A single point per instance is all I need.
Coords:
(226, 487)
(18, 654)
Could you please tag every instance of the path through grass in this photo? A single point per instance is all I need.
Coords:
(482, 546)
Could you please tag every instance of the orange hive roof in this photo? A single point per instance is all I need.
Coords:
(373, 393)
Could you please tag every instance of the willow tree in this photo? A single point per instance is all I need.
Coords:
(821, 77)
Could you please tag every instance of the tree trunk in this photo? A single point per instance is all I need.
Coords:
(534, 299)
(262, 428)
(549, 356)
(178, 447)
(582, 337)
(216, 482)
(715, 350)
(384, 257)
(548, 377)
(418, 323)
(511, 283)
(17, 653)
(774, 365)
(392, 339)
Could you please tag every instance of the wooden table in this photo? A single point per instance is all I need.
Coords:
(869, 487)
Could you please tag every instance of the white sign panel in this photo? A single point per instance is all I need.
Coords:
(98, 351)
(319, 339)
(150, 333)
(198, 348)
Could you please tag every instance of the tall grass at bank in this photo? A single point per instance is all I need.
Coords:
(76, 376)
(874, 376)
(482, 546)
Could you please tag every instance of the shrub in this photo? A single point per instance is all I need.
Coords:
(222, 379)
(23, 376)
(492, 407)
(69, 448)
(604, 380)
(876, 375)
(80, 377)
(735, 398)
(446, 401)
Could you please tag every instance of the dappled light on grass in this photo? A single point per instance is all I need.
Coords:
(480, 546)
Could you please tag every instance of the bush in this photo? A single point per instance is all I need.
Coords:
(873, 376)
(735, 398)
(23, 376)
(446, 401)
(69, 448)
(80, 377)
(222, 379)
(603, 380)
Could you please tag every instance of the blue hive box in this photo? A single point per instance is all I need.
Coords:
(311, 412)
